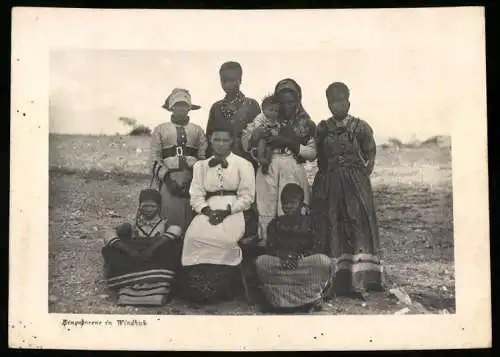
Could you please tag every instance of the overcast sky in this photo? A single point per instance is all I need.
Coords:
(406, 77)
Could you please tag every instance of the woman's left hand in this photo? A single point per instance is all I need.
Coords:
(219, 215)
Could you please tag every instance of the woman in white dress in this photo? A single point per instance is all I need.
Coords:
(223, 187)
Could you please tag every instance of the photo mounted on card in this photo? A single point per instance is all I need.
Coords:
(223, 189)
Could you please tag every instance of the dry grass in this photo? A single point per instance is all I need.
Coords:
(95, 181)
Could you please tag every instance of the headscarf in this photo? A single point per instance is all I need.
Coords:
(300, 120)
(289, 84)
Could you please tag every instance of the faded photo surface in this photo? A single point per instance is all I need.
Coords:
(237, 185)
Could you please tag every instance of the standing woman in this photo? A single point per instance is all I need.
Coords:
(342, 199)
(223, 187)
(291, 148)
(175, 147)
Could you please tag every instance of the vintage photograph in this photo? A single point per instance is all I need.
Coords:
(240, 185)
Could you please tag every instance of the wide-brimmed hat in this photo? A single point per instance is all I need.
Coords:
(179, 95)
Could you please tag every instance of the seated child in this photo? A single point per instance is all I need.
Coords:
(294, 273)
(141, 259)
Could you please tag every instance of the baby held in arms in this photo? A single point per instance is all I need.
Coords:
(267, 128)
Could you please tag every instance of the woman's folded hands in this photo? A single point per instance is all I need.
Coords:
(217, 216)
(289, 261)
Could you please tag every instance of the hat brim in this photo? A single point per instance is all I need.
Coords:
(193, 107)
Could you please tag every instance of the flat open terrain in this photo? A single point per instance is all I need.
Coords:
(95, 181)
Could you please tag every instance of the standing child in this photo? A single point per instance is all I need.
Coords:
(175, 147)
(235, 107)
(141, 259)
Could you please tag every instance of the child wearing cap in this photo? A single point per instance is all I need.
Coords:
(141, 258)
(175, 146)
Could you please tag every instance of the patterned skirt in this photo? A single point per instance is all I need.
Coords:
(290, 288)
(142, 283)
(208, 283)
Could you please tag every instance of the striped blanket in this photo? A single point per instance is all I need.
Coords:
(142, 283)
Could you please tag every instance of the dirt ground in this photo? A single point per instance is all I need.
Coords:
(94, 185)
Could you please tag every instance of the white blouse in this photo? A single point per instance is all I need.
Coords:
(238, 176)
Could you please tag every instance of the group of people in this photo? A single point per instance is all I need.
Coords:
(240, 186)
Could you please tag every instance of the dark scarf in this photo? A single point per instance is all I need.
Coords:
(179, 121)
(231, 106)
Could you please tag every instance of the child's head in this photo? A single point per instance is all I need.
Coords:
(230, 77)
(337, 95)
(292, 198)
(270, 107)
(149, 203)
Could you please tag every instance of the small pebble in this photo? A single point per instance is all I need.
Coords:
(104, 296)
(53, 298)
(403, 311)
(363, 304)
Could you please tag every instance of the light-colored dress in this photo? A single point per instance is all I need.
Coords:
(211, 253)
(285, 168)
(218, 244)
(174, 149)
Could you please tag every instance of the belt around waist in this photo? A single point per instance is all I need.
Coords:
(220, 193)
(175, 150)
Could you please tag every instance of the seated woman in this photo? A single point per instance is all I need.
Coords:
(223, 187)
(294, 275)
(141, 258)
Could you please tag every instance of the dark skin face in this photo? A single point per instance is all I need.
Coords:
(180, 109)
(221, 143)
(230, 81)
(288, 101)
(149, 209)
(291, 206)
(271, 111)
(339, 108)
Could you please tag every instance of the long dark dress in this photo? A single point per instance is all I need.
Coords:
(343, 206)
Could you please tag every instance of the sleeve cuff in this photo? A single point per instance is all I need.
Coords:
(236, 208)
